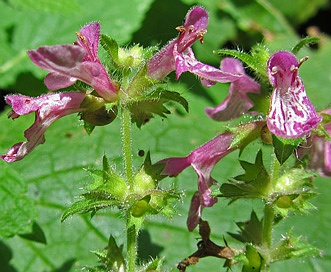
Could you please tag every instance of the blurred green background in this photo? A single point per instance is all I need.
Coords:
(40, 187)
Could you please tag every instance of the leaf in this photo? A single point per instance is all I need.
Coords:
(250, 231)
(257, 65)
(154, 265)
(146, 107)
(44, 5)
(111, 47)
(284, 148)
(91, 202)
(251, 259)
(18, 211)
(293, 247)
(254, 182)
(46, 24)
(304, 42)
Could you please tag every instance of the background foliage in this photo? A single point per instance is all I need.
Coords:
(35, 192)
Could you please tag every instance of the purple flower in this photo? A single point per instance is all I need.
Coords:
(291, 114)
(203, 160)
(48, 108)
(194, 28)
(237, 102)
(318, 150)
(68, 63)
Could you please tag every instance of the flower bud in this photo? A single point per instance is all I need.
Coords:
(96, 112)
(130, 58)
(141, 207)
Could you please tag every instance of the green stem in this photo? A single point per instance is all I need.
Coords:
(126, 145)
(268, 218)
(131, 242)
(268, 221)
(131, 233)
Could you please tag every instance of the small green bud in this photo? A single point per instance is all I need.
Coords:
(143, 182)
(284, 202)
(100, 117)
(141, 207)
(130, 58)
(96, 112)
(254, 259)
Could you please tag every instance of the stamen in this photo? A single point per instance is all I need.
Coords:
(181, 29)
(302, 61)
(201, 34)
(293, 68)
(82, 38)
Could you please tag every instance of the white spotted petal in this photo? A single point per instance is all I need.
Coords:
(291, 114)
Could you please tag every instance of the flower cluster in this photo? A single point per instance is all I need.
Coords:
(66, 63)
(291, 115)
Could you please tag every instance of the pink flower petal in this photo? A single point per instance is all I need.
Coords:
(203, 159)
(48, 109)
(88, 38)
(318, 150)
(291, 114)
(163, 62)
(237, 102)
(195, 211)
(68, 63)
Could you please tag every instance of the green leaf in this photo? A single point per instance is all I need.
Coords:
(254, 183)
(154, 265)
(292, 247)
(111, 47)
(144, 109)
(250, 231)
(295, 180)
(107, 181)
(110, 258)
(251, 259)
(55, 22)
(45, 5)
(115, 255)
(18, 211)
(91, 202)
(108, 189)
(284, 148)
(304, 42)
(256, 60)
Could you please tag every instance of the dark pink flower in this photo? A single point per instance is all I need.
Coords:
(48, 108)
(203, 160)
(237, 102)
(318, 150)
(68, 63)
(194, 28)
(291, 114)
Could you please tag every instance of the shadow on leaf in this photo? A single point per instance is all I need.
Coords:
(147, 249)
(5, 257)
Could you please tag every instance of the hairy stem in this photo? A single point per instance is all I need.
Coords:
(126, 146)
(268, 219)
(131, 242)
(131, 233)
